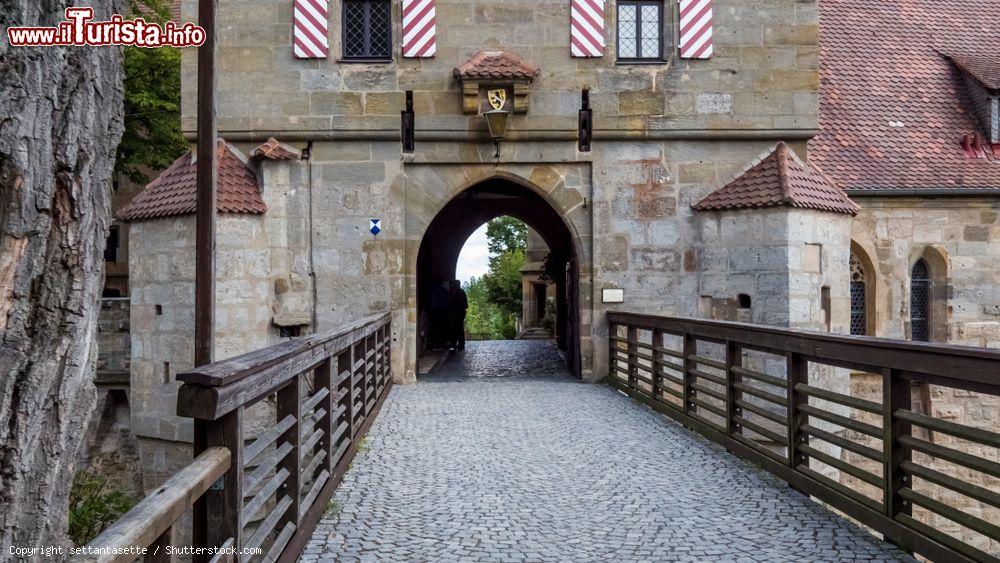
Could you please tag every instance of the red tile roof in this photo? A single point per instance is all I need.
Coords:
(496, 65)
(174, 192)
(893, 110)
(273, 150)
(780, 179)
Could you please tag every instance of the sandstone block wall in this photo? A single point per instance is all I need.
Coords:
(114, 343)
(956, 238)
(763, 76)
(162, 322)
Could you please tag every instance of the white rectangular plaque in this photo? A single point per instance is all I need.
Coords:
(613, 295)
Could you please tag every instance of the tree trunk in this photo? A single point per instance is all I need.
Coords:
(60, 122)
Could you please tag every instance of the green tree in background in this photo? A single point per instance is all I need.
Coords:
(153, 137)
(495, 298)
(484, 320)
(505, 234)
(503, 281)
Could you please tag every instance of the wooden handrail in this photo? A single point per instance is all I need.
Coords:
(238, 367)
(214, 390)
(963, 366)
(154, 516)
(764, 416)
(307, 402)
(321, 394)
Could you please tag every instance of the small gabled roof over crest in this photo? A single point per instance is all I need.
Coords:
(496, 65)
(779, 178)
(274, 150)
(174, 192)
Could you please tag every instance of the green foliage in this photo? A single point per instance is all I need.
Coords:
(506, 234)
(503, 281)
(484, 319)
(495, 298)
(93, 506)
(152, 138)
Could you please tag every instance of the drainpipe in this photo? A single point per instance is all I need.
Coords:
(312, 246)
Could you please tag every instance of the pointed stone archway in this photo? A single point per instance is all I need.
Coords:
(445, 204)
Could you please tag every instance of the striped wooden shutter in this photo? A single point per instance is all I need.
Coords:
(696, 29)
(419, 28)
(587, 28)
(310, 28)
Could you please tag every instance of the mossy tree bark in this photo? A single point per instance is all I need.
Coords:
(60, 123)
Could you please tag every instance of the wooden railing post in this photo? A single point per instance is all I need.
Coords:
(357, 379)
(323, 379)
(222, 505)
(612, 347)
(290, 403)
(372, 369)
(895, 396)
(388, 352)
(733, 359)
(797, 371)
(633, 360)
(157, 552)
(657, 343)
(383, 350)
(690, 349)
(345, 370)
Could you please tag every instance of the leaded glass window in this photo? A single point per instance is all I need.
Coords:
(920, 284)
(640, 30)
(367, 29)
(859, 297)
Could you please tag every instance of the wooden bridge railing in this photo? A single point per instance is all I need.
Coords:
(782, 399)
(275, 431)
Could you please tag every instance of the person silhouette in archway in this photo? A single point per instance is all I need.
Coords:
(440, 317)
(459, 306)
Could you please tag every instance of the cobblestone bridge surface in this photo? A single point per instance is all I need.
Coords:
(502, 456)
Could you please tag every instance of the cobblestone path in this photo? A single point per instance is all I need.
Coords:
(509, 464)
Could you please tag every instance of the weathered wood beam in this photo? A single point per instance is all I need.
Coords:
(157, 513)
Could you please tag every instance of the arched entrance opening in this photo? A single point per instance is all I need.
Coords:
(447, 233)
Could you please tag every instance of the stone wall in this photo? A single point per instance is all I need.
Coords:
(785, 261)
(162, 320)
(114, 344)
(763, 75)
(288, 225)
(665, 135)
(955, 236)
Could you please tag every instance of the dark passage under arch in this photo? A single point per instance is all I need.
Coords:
(442, 243)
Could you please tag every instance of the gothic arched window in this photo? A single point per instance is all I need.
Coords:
(859, 297)
(920, 294)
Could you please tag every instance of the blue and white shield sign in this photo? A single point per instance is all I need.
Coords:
(376, 226)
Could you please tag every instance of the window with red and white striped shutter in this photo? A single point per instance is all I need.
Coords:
(696, 29)
(310, 29)
(587, 28)
(419, 29)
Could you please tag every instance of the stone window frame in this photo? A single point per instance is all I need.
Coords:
(938, 291)
(867, 267)
(661, 56)
(367, 58)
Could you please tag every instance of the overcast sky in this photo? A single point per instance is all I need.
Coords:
(474, 261)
